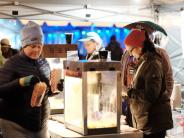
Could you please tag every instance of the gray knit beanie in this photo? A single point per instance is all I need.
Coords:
(31, 34)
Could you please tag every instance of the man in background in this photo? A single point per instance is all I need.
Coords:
(6, 49)
(115, 48)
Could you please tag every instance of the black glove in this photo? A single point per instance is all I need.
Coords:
(60, 85)
(29, 80)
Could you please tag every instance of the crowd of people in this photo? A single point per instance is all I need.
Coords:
(147, 83)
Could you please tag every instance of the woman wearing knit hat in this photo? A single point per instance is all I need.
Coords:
(149, 101)
(18, 77)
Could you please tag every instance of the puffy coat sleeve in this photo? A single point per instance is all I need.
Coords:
(8, 82)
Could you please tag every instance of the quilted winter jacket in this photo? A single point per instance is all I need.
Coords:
(16, 99)
(149, 100)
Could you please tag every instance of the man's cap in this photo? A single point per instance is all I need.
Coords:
(92, 36)
(5, 43)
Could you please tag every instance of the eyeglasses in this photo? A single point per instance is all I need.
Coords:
(131, 50)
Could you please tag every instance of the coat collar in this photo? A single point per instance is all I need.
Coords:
(23, 55)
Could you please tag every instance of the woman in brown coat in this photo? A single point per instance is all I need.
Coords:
(149, 101)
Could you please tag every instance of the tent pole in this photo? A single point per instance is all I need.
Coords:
(154, 11)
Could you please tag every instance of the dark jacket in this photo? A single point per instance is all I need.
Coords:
(8, 52)
(116, 50)
(149, 101)
(16, 98)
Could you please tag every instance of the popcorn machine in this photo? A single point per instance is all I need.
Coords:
(92, 96)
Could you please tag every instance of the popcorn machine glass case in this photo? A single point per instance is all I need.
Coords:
(92, 96)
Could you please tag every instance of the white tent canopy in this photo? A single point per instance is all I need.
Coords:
(87, 10)
(167, 13)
